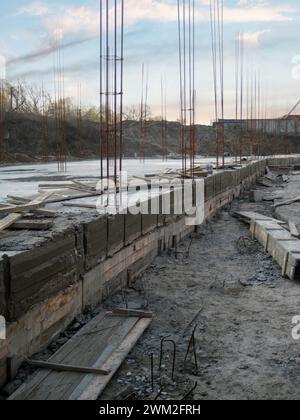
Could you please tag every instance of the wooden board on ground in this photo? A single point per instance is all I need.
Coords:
(16, 215)
(9, 220)
(103, 344)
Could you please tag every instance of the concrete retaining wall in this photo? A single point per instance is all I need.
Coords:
(42, 272)
(41, 290)
(284, 162)
(2, 290)
(95, 242)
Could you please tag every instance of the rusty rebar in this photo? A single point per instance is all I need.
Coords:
(188, 393)
(2, 119)
(186, 49)
(162, 342)
(152, 370)
(217, 46)
(111, 87)
(60, 107)
(192, 343)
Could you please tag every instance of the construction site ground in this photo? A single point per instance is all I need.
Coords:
(224, 285)
(243, 309)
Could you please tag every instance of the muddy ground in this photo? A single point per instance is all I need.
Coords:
(241, 307)
(225, 288)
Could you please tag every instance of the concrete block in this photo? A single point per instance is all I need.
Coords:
(133, 227)
(116, 233)
(284, 249)
(41, 272)
(95, 242)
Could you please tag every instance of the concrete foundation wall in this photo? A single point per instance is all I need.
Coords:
(133, 227)
(2, 290)
(42, 272)
(95, 242)
(284, 162)
(43, 289)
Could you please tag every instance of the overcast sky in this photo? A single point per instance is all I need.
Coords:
(272, 34)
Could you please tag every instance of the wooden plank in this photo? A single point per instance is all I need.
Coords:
(41, 212)
(20, 209)
(85, 186)
(46, 213)
(66, 368)
(293, 229)
(92, 387)
(75, 197)
(35, 204)
(81, 205)
(287, 202)
(32, 225)
(20, 199)
(65, 187)
(9, 220)
(91, 347)
(132, 312)
(60, 356)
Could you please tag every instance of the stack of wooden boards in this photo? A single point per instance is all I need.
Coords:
(15, 209)
(81, 369)
(283, 244)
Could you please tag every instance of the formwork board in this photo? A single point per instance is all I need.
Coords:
(103, 343)
(41, 272)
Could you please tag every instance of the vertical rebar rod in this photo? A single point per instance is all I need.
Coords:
(186, 48)
(121, 84)
(107, 116)
(217, 41)
(101, 90)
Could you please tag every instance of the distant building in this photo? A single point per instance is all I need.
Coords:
(289, 124)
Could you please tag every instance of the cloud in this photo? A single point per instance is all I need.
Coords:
(86, 19)
(252, 39)
(45, 52)
(33, 9)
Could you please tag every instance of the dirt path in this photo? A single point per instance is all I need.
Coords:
(244, 345)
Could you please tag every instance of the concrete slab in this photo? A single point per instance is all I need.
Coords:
(284, 248)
